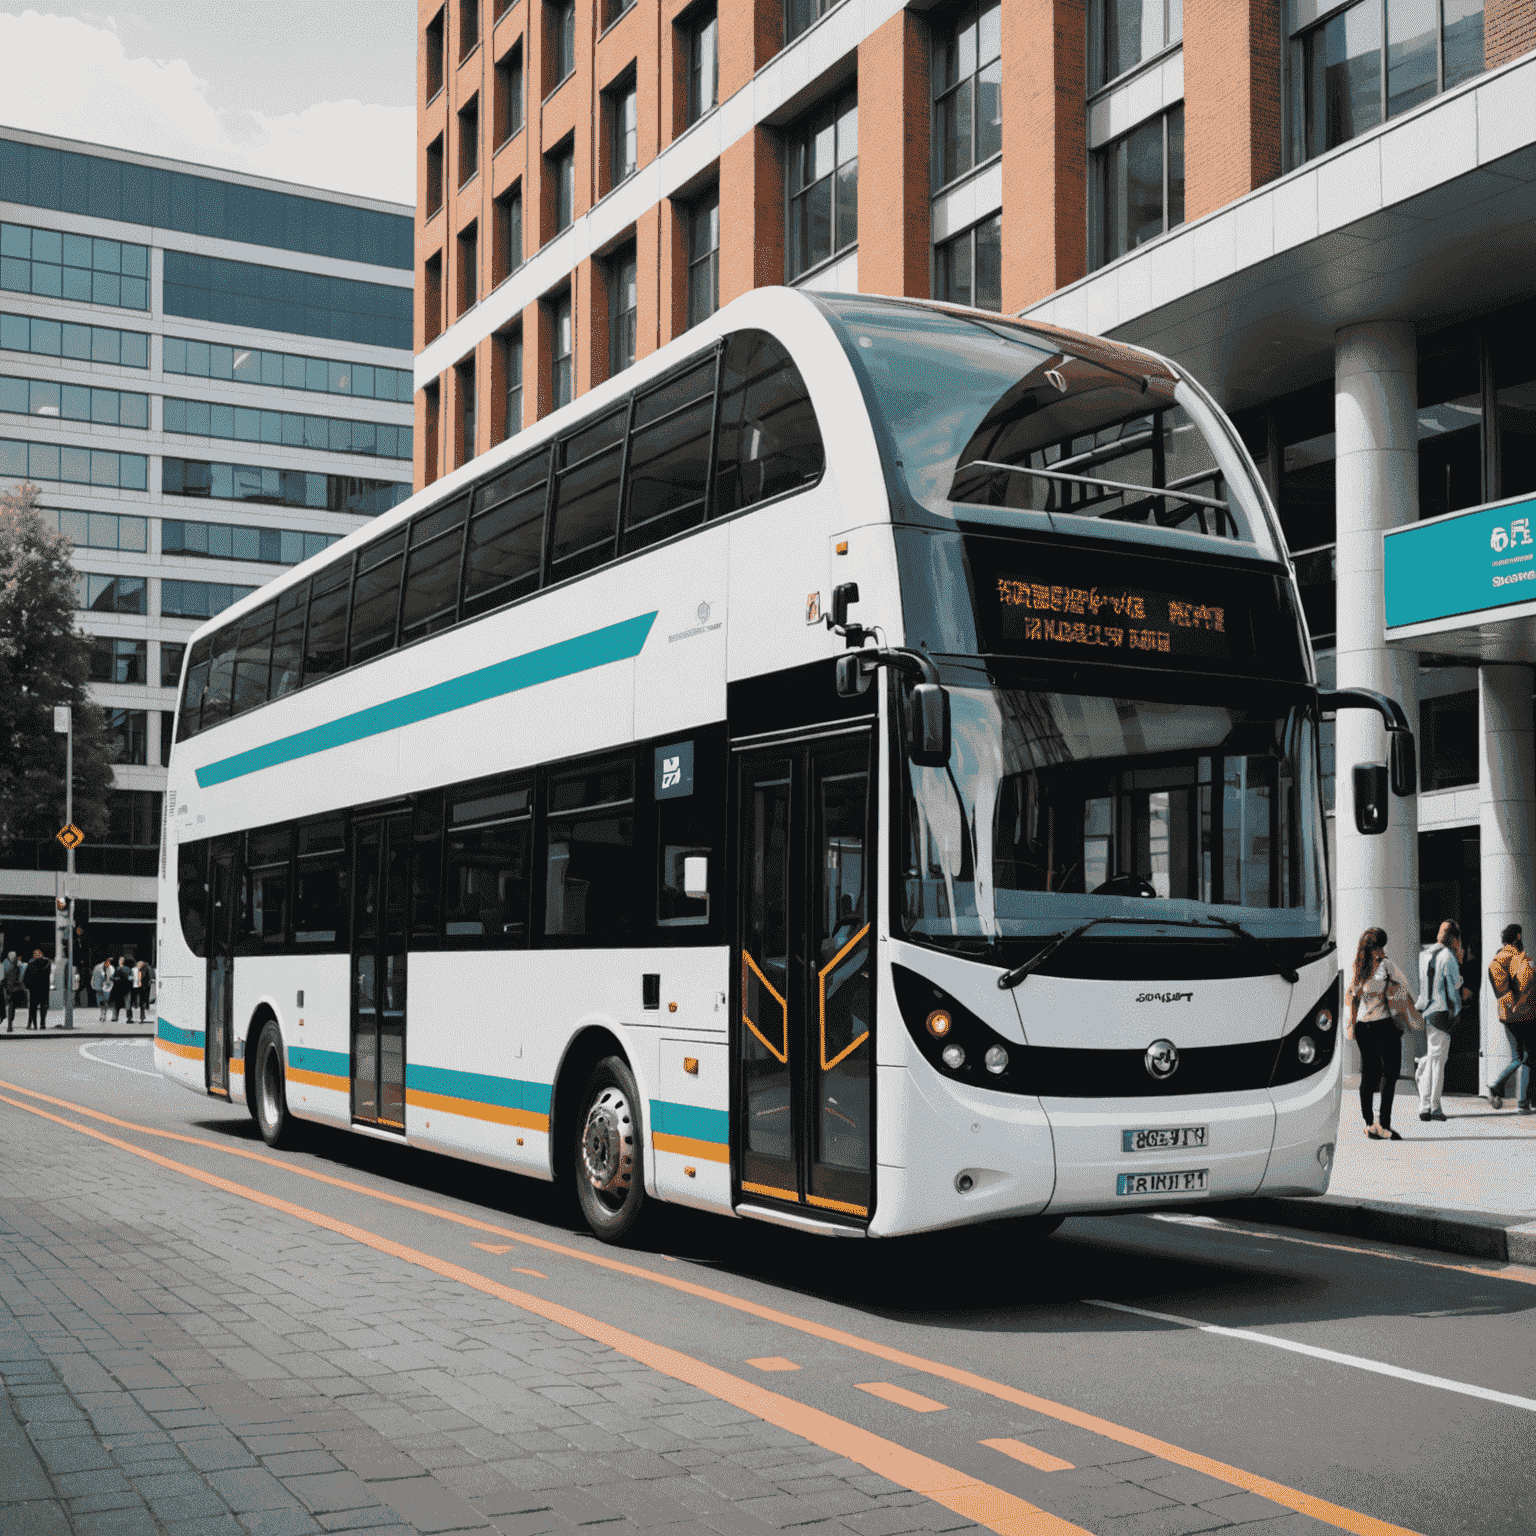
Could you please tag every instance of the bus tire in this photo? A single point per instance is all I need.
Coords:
(268, 1086)
(609, 1167)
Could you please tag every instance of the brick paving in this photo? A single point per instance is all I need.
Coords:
(176, 1360)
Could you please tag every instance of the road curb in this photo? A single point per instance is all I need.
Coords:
(1473, 1234)
(55, 1033)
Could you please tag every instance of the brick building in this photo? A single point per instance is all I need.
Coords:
(1326, 208)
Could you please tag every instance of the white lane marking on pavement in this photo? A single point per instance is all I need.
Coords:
(1358, 1361)
(121, 1066)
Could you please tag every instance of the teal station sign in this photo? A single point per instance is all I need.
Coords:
(1466, 563)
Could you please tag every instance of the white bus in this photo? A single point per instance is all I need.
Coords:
(858, 768)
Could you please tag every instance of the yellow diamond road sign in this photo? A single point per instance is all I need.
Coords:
(70, 835)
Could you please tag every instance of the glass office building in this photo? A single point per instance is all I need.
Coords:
(208, 378)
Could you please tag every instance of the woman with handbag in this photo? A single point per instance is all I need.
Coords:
(1380, 1005)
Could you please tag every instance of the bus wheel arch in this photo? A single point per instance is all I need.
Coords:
(596, 1133)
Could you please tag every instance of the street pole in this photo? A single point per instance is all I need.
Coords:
(67, 726)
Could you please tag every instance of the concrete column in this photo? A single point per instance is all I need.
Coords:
(1506, 804)
(1376, 475)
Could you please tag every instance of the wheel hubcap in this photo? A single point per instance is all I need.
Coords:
(608, 1143)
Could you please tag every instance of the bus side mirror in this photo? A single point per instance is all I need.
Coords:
(842, 596)
(852, 675)
(929, 746)
(695, 876)
(1370, 798)
(1405, 766)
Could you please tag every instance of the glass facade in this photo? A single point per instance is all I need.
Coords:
(102, 188)
(198, 599)
(119, 661)
(235, 541)
(74, 466)
(1124, 32)
(800, 15)
(276, 299)
(967, 90)
(85, 343)
(111, 594)
(323, 434)
(279, 487)
(73, 402)
(100, 530)
(59, 266)
(283, 370)
(128, 733)
(969, 268)
(1138, 186)
(824, 184)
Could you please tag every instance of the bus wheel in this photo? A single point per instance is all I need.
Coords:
(609, 1176)
(267, 1083)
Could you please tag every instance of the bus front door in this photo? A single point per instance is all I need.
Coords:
(803, 1035)
(382, 847)
(222, 906)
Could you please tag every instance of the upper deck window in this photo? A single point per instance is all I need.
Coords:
(986, 417)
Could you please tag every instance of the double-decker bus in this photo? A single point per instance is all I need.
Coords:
(858, 768)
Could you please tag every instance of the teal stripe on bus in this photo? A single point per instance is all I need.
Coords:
(169, 1032)
(478, 1088)
(690, 1121)
(614, 642)
(327, 1063)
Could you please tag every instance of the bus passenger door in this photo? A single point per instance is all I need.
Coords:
(222, 904)
(804, 1047)
(382, 850)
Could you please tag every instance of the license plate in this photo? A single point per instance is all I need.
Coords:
(1163, 1183)
(1171, 1138)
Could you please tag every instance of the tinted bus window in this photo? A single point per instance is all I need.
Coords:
(669, 457)
(192, 894)
(587, 496)
(427, 869)
(320, 883)
(253, 660)
(431, 599)
(325, 645)
(769, 441)
(488, 851)
(590, 865)
(506, 537)
(376, 598)
(267, 880)
(288, 640)
(195, 688)
(221, 676)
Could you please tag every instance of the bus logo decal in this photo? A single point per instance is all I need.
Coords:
(1162, 1060)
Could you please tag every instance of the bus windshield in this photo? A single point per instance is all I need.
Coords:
(987, 414)
(1057, 808)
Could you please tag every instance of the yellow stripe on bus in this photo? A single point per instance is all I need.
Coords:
(191, 1052)
(319, 1079)
(705, 1151)
(470, 1109)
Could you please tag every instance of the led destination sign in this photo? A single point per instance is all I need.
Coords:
(1110, 623)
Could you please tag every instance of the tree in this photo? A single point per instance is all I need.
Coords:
(44, 661)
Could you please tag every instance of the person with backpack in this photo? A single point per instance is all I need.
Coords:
(101, 984)
(1440, 993)
(1513, 978)
(121, 982)
(11, 989)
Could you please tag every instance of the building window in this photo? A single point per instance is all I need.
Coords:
(87, 343)
(435, 176)
(469, 268)
(198, 599)
(1448, 736)
(509, 232)
(432, 297)
(128, 733)
(623, 137)
(291, 429)
(170, 666)
(969, 268)
(466, 389)
(704, 258)
(623, 301)
(1138, 190)
(432, 48)
(285, 370)
(238, 541)
(703, 36)
(75, 466)
(824, 185)
(560, 28)
(280, 487)
(509, 94)
(119, 661)
(431, 409)
(99, 530)
(1121, 33)
(967, 90)
(111, 594)
(469, 27)
(512, 365)
(800, 15)
(561, 165)
(52, 401)
(613, 9)
(564, 369)
(469, 140)
(1341, 84)
(59, 266)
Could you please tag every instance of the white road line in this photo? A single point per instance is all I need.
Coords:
(102, 1061)
(1358, 1361)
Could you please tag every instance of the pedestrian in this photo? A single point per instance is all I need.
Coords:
(140, 997)
(1514, 984)
(39, 978)
(1379, 1001)
(120, 986)
(11, 989)
(101, 983)
(1440, 994)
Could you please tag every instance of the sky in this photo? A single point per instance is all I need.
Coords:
(319, 94)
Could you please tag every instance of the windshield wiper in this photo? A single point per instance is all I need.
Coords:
(1282, 969)
(1010, 979)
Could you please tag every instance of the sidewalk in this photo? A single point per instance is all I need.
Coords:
(1466, 1186)
(87, 1027)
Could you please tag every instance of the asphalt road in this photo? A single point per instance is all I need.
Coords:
(1139, 1374)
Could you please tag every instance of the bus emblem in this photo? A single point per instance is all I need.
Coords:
(1162, 1060)
(703, 613)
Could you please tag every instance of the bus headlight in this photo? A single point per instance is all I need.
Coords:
(996, 1060)
(940, 1024)
(1306, 1050)
(1323, 1020)
(954, 1057)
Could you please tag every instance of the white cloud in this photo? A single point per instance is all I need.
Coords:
(66, 77)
